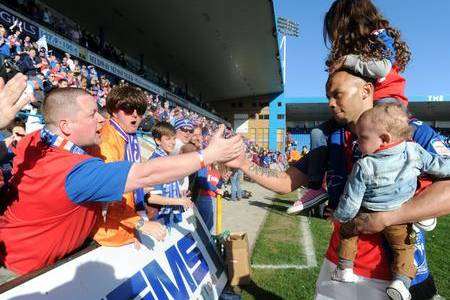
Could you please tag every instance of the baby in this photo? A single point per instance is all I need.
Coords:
(382, 180)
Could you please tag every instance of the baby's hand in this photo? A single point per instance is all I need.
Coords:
(186, 202)
(328, 214)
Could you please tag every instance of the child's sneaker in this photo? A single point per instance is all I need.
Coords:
(426, 225)
(398, 291)
(309, 199)
(344, 275)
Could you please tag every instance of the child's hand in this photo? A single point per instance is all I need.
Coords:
(219, 192)
(154, 229)
(186, 202)
(336, 65)
(328, 214)
(147, 190)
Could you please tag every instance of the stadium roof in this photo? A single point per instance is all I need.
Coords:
(223, 49)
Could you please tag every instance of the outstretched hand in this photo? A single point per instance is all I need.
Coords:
(12, 98)
(237, 162)
(221, 149)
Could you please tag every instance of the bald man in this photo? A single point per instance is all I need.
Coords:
(349, 95)
(57, 186)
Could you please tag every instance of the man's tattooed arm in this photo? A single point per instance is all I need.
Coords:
(274, 180)
(257, 170)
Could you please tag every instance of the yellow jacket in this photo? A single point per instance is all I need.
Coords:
(121, 216)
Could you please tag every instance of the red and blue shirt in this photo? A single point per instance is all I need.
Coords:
(51, 208)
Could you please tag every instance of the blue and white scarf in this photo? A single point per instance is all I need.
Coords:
(132, 154)
(55, 141)
(169, 213)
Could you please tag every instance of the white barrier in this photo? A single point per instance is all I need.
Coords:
(184, 266)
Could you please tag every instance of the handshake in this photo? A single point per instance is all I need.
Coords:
(230, 151)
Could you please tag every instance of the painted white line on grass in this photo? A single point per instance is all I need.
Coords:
(307, 245)
(281, 266)
(307, 242)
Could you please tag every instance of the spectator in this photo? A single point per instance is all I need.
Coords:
(188, 182)
(63, 83)
(164, 115)
(5, 47)
(304, 151)
(29, 63)
(167, 194)
(27, 43)
(197, 138)
(184, 129)
(16, 133)
(126, 106)
(209, 182)
(264, 159)
(236, 191)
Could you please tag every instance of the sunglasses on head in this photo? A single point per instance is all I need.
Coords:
(129, 108)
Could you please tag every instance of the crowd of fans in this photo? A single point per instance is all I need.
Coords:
(51, 19)
(48, 69)
(44, 15)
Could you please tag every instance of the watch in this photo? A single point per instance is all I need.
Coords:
(139, 224)
(201, 156)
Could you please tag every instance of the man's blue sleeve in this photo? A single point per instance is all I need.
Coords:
(428, 138)
(432, 164)
(95, 180)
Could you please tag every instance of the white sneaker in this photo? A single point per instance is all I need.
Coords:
(426, 225)
(398, 291)
(309, 198)
(344, 275)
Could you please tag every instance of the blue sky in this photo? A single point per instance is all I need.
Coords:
(425, 26)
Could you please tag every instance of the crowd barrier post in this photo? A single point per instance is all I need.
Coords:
(218, 214)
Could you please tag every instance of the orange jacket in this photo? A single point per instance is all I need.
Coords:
(295, 156)
(121, 217)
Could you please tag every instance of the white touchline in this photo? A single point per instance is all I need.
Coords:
(307, 244)
(281, 266)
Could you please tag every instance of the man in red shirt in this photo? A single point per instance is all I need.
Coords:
(349, 96)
